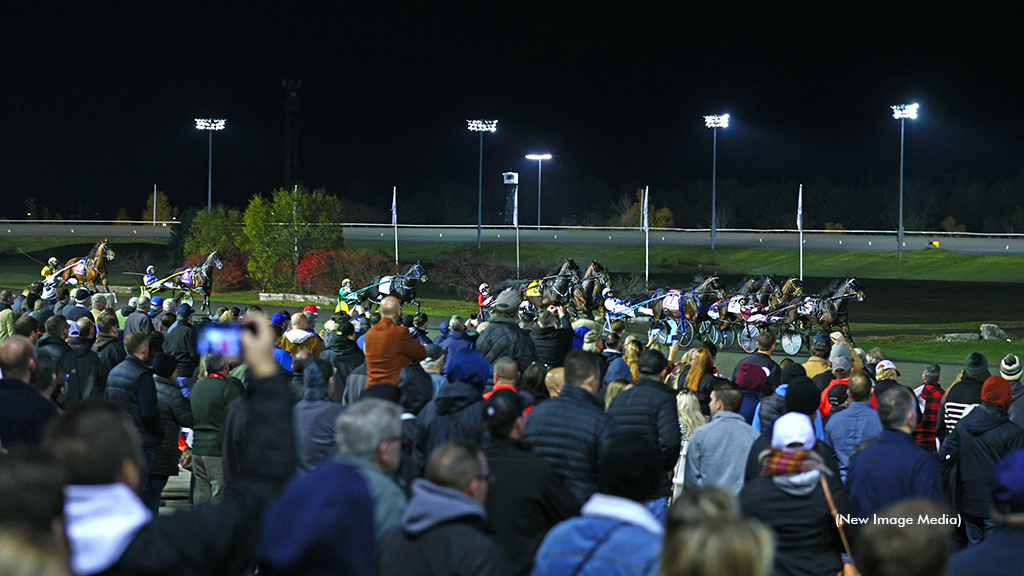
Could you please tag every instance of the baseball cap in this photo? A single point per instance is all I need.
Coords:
(793, 428)
(843, 363)
(651, 362)
(503, 407)
(434, 351)
(886, 365)
(507, 299)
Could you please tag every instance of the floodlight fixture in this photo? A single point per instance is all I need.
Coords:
(210, 123)
(540, 161)
(905, 111)
(482, 125)
(717, 121)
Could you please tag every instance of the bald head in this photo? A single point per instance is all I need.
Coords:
(554, 381)
(18, 358)
(299, 321)
(390, 308)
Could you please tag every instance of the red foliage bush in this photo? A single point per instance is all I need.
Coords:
(321, 272)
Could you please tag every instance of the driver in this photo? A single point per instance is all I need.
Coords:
(348, 296)
(484, 300)
(613, 305)
(49, 272)
(150, 277)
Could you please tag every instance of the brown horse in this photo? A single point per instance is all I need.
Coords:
(680, 313)
(86, 271)
(828, 312)
(554, 289)
(196, 279)
(586, 296)
(793, 287)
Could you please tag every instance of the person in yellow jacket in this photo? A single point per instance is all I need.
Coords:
(49, 271)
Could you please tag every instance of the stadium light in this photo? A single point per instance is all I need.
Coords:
(540, 160)
(481, 126)
(211, 125)
(715, 122)
(902, 112)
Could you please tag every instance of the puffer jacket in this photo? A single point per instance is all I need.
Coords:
(175, 412)
(110, 350)
(67, 363)
(92, 375)
(649, 409)
(572, 432)
(980, 440)
(130, 386)
(504, 337)
(553, 342)
(456, 414)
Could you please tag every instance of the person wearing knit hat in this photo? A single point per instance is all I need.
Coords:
(314, 415)
(978, 442)
(751, 380)
(1010, 368)
(963, 395)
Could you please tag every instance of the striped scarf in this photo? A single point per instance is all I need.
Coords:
(782, 463)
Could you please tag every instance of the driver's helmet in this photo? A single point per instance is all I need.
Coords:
(346, 282)
(606, 292)
(484, 287)
(52, 261)
(150, 269)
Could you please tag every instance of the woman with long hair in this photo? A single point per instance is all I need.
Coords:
(700, 378)
(631, 355)
(690, 418)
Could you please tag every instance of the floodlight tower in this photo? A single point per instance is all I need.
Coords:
(481, 126)
(901, 112)
(540, 158)
(210, 125)
(715, 122)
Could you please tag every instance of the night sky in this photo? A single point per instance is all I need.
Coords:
(98, 104)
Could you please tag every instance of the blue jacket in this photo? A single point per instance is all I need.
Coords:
(848, 428)
(1000, 553)
(894, 467)
(456, 342)
(619, 536)
(618, 370)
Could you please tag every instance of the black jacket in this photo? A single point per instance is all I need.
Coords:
(110, 350)
(552, 343)
(175, 412)
(344, 354)
(572, 433)
(504, 337)
(456, 414)
(24, 413)
(181, 343)
(649, 409)
(525, 499)
(92, 375)
(228, 530)
(131, 386)
(980, 440)
(67, 363)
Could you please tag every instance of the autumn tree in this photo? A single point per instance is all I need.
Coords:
(219, 229)
(164, 211)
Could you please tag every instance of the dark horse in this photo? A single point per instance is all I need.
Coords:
(692, 304)
(586, 296)
(87, 271)
(554, 289)
(402, 286)
(828, 312)
(196, 279)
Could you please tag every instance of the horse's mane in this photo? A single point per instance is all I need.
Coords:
(505, 285)
(832, 286)
(638, 297)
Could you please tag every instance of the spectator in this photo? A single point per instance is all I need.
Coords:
(131, 387)
(527, 321)
(432, 365)
(446, 512)
(718, 450)
(315, 414)
(571, 431)
(885, 377)
(838, 350)
(457, 413)
(1010, 369)
(891, 546)
(298, 337)
(553, 336)
(818, 361)
(554, 381)
(648, 409)
(763, 357)
(699, 378)
(965, 395)
(751, 379)
(341, 351)
(43, 308)
(929, 404)
(773, 405)
(139, 320)
(210, 398)
(857, 423)
(92, 377)
(690, 418)
(419, 328)
(98, 446)
(503, 336)
(618, 368)
(718, 547)
(27, 327)
(369, 438)
(892, 468)
(505, 376)
(532, 381)
(390, 347)
(108, 345)
(970, 452)
(181, 343)
(80, 307)
(99, 304)
(615, 532)
(842, 367)
(458, 337)
(415, 389)
(526, 498)
(24, 411)
(54, 345)
(1000, 553)
(175, 412)
(168, 306)
(614, 388)
(789, 498)
(7, 315)
(871, 360)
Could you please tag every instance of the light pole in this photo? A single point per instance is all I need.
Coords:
(901, 112)
(715, 122)
(481, 126)
(540, 158)
(210, 124)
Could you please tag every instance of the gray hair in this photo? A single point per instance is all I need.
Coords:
(894, 405)
(362, 427)
(142, 302)
(874, 356)
(456, 323)
(932, 373)
(97, 298)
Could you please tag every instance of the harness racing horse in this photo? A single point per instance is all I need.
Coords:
(402, 286)
(86, 271)
(792, 288)
(554, 289)
(198, 278)
(676, 312)
(828, 312)
(586, 296)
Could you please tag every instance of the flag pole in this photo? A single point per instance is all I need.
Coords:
(515, 222)
(800, 227)
(394, 218)
(647, 239)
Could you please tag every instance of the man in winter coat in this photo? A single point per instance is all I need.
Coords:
(457, 413)
(389, 347)
(963, 396)
(969, 453)
(763, 357)
(181, 343)
(210, 398)
(298, 337)
(718, 450)
(503, 337)
(175, 412)
(79, 308)
(314, 415)
(131, 387)
(341, 351)
(108, 346)
(97, 445)
(553, 336)
(572, 432)
(857, 423)
(648, 409)
(139, 320)
(458, 337)
(526, 498)
(444, 529)
(24, 410)
(92, 377)
(1010, 369)
(53, 344)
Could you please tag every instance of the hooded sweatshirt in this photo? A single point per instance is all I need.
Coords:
(101, 521)
(294, 340)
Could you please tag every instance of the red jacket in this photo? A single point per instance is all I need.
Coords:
(389, 348)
